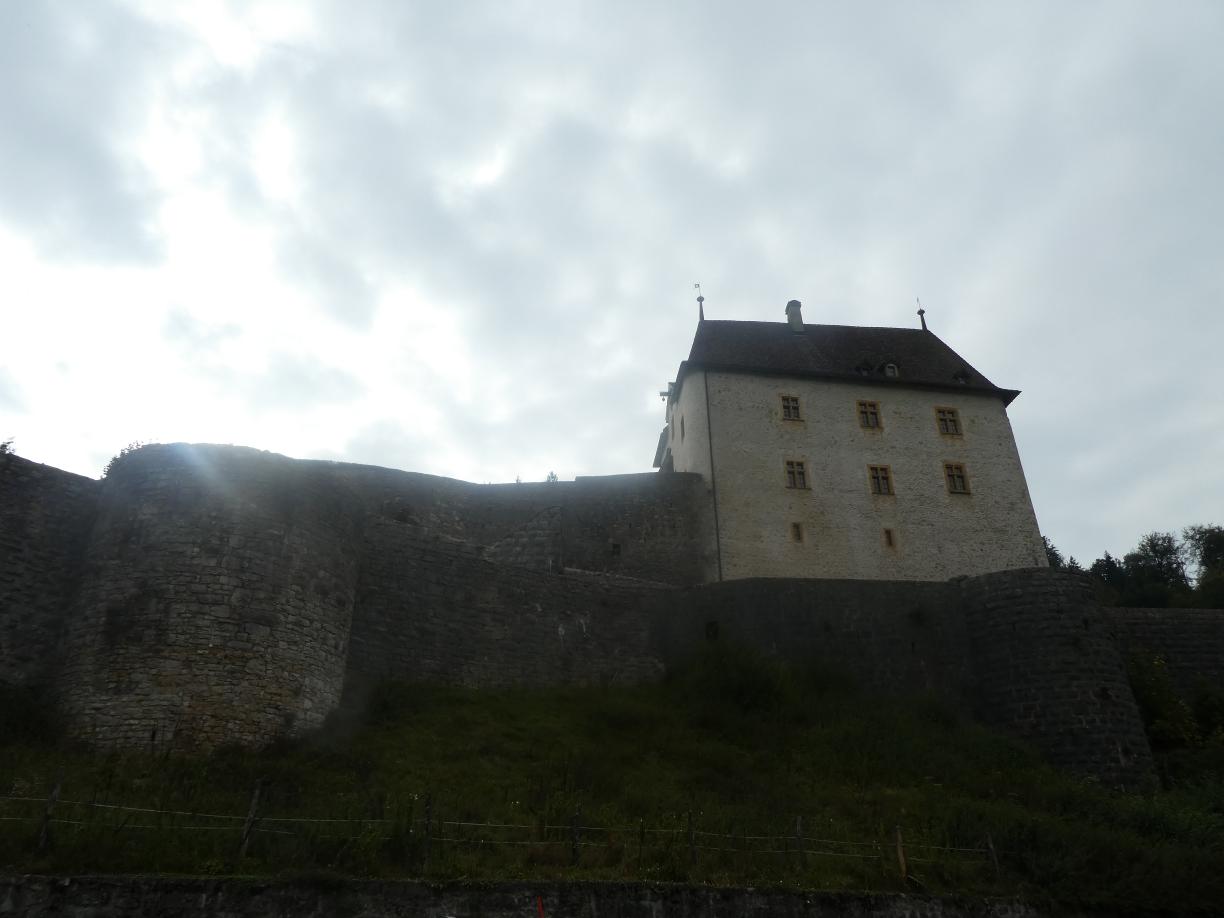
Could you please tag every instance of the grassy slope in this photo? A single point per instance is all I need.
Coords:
(744, 746)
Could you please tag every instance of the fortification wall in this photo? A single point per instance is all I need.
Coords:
(649, 526)
(1048, 669)
(45, 519)
(215, 601)
(1190, 641)
(899, 637)
(430, 609)
(216, 594)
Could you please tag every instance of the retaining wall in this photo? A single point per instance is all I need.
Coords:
(164, 897)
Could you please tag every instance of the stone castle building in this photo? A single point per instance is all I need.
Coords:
(839, 451)
(824, 490)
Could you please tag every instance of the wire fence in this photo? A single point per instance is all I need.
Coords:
(416, 839)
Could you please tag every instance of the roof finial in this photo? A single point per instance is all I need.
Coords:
(921, 314)
(700, 303)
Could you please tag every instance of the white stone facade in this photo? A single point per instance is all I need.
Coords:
(935, 534)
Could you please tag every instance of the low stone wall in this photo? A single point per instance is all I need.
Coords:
(156, 897)
(45, 519)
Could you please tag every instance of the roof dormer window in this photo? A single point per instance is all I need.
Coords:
(890, 369)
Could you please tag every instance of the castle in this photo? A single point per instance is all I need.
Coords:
(202, 595)
(837, 451)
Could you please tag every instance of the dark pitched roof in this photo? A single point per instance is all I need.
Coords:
(836, 352)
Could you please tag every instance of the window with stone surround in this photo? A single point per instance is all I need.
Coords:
(881, 479)
(947, 420)
(869, 415)
(956, 478)
(790, 408)
(796, 474)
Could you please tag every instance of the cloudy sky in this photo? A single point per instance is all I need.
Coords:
(462, 238)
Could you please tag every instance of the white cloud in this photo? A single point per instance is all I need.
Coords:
(462, 239)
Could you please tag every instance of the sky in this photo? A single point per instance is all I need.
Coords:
(462, 238)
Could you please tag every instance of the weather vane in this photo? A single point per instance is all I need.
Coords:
(700, 303)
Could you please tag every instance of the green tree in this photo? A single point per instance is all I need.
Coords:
(1204, 545)
(1053, 555)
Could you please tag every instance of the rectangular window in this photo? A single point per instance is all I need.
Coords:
(890, 538)
(958, 481)
(948, 421)
(790, 408)
(881, 479)
(796, 532)
(869, 415)
(796, 474)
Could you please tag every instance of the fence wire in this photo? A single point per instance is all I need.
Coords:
(424, 830)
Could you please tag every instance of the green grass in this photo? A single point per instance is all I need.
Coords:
(742, 745)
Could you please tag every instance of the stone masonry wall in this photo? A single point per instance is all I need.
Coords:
(649, 526)
(215, 602)
(1190, 641)
(1048, 669)
(45, 519)
(176, 897)
(901, 638)
(430, 609)
(215, 594)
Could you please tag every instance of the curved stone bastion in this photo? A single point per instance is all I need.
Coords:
(215, 601)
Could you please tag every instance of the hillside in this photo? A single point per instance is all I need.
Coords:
(735, 771)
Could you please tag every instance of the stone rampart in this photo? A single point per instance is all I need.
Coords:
(430, 609)
(45, 519)
(649, 526)
(1189, 641)
(215, 601)
(894, 636)
(1047, 668)
(201, 595)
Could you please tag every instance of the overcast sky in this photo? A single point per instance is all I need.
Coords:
(462, 238)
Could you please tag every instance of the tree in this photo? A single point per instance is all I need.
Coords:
(1053, 555)
(552, 476)
(1205, 547)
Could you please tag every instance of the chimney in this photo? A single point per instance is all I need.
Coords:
(794, 315)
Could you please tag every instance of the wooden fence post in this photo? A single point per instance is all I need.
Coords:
(691, 846)
(994, 857)
(901, 856)
(248, 827)
(574, 831)
(44, 834)
(428, 829)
